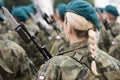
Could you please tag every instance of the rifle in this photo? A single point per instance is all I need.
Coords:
(49, 19)
(25, 35)
(39, 24)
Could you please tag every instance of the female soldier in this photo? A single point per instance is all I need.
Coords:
(82, 60)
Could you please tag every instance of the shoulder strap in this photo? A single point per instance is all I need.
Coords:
(86, 60)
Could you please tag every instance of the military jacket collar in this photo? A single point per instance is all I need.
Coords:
(73, 47)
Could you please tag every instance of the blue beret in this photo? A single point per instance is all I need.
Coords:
(1, 17)
(62, 10)
(84, 9)
(99, 9)
(112, 10)
(1, 3)
(33, 9)
(20, 14)
(29, 9)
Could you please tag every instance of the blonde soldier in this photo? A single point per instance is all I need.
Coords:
(82, 60)
(14, 63)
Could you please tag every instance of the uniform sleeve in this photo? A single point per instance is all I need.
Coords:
(49, 71)
(27, 70)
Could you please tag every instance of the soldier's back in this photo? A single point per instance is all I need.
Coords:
(15, 65)
(74, 63)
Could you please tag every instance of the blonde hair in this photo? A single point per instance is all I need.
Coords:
(80, 23)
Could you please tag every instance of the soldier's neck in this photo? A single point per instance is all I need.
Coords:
(76, 39)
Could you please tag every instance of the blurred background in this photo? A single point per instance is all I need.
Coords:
(11, 3)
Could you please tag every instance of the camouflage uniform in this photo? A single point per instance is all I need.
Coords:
(14, 63)
(107, 36)
(115, 30)
(57, 44)
(104, 40)
(115, 48)
(73, 63)
(4, 26)
(47, 40)
(31, 26)
(30, 48)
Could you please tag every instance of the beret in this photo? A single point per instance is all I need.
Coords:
(19, 13)
(99, 9)
(84, 9)
(29, 9)
(62, 10)
(112, 10)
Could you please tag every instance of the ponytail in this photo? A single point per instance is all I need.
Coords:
(92, 41)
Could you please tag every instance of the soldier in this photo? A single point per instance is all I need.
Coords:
(21, 16)
(82, 60)
(109, 27)
(110, 15)
(115, 47)
(59, 16)
(104, 41)
(99, 13)
(14, 63)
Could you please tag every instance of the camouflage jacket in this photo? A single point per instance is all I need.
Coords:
(14, 63)
(72, 63)
(115, 47)
(115, 30)
(105, 38)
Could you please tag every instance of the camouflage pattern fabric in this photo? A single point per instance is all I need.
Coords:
(4, 26)
(11, 35)
(31, 26)
(30, 48)
(47, 40)
(70, 64)
(105, 39)
(3, 29)
(57, 44)
(115, 30)
(14, 63)
(115, 47)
